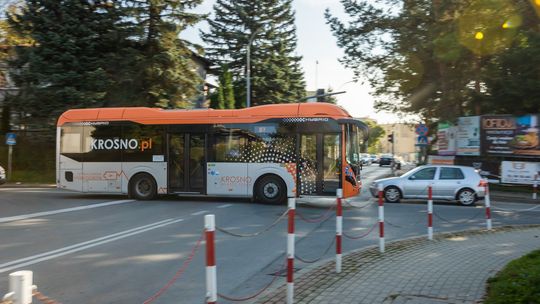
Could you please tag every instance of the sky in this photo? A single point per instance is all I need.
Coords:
(317, 44)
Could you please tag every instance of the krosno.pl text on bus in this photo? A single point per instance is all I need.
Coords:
(267, 152)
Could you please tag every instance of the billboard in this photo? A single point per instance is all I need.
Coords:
(446, 138)
(468, 136)
(509, 135)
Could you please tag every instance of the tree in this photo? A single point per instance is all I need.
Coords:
(426, 56)
(512, 77)
(95, 53)
(9, 41)
(168, 78)
(276, 75)
(376, 132)
(226, 83)
(66, 66)
(223, 98)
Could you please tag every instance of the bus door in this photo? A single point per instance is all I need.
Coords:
(319, 163)
(187, 163)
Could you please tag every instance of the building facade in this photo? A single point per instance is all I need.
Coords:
(404, 140)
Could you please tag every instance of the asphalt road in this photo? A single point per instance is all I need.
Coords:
(108, 249)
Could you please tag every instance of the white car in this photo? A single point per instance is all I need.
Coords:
(2, 176)
(448, 182)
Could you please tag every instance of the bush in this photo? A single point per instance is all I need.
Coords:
(33, 159)
(517, 283)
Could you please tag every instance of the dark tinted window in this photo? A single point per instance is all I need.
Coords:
(257, 143)
(142, 143)
(425, 174)
(451, 173)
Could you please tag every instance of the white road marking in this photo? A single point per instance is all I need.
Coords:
(33, 191)
(224, 206)
(200, 212)
(45, 213)
(20, 189)
(17, 264)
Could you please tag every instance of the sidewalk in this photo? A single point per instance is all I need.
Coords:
(453, 268)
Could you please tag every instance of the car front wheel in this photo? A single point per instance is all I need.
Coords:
(392, 194)
(466, 197)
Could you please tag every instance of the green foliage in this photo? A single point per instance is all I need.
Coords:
(518, 282)
(226, 83)
(67, 65)
(217, 101)
(376, 132)
(102, 53)
(168, 76)
(425, 56)
(27, 165)
(276, 75)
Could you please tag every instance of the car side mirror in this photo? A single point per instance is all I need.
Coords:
(412, 177)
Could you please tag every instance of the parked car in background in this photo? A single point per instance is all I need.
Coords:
(386, 160)
(459, 183)
(2, 176)
(365, 158)
(374, 158)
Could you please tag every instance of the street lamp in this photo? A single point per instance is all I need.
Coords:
(248, 68)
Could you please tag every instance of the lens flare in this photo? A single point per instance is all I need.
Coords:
(488, 27)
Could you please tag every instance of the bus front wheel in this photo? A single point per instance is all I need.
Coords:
(142, 187)
(271, 189)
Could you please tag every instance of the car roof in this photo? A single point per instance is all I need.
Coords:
(448, 166)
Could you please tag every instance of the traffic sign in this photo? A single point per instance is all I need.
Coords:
(11, 139)
(422, 130)
(422, 140)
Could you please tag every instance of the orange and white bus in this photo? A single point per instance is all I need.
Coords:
(268, 152)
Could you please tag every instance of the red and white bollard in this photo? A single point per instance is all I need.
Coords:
(535, 187)
(290, 251)
(211, 281)
(339, 229)
(488, 206)
(381, 219)
(430, 213)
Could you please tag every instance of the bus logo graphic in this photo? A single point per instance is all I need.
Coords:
(124, 144)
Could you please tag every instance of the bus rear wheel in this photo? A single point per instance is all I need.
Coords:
(271, 189)
(142, 187)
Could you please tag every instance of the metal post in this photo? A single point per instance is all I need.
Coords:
(488, 207)
(290, 251)
(211, 281)
(20, 283)
(535, 186)
(10, 153)
(381, 219)
(430, 213)
(339, 229)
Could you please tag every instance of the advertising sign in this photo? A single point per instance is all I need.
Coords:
(514, 172)
(509, 135)
(525, 141)
(441, 160)
(446, 139)
(468, 136)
